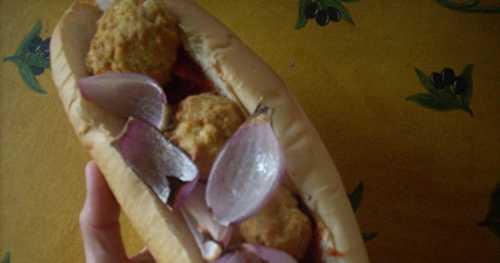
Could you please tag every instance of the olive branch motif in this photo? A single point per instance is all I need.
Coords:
(355, 198)
(32, 57)
(469, 6)
(326, 11)
(6, 258)
(445, 91)
(492, 219)
(323, 11)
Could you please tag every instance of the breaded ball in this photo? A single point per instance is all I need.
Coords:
(280, 224)
(204, 123)
(135, 36)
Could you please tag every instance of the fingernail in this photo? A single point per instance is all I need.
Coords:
(89, 173)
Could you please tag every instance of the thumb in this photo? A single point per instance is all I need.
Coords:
(99, 220)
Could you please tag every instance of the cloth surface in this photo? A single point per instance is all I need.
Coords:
(421, 179)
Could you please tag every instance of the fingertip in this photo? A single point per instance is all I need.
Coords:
(91, 171)
(94, 179)
(90, 167)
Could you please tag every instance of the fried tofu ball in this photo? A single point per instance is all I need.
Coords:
(135, 36)
(280, 224)
(204, 123)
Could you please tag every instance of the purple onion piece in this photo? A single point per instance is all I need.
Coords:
(268, 254)
(183, 192)
(203, 219)
(210, 250)
(246, 171)
(240, 257)
(253, 253)
(154, 158)
(127, 94)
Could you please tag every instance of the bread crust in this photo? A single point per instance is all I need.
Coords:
(239, 74)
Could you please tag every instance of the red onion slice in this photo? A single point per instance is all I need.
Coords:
(268, 254)
(252, 253)
(127, 94)
(246, 171)
(183, 192)
(154, 158)
(205, 223)
(240, 257)
(210, 250)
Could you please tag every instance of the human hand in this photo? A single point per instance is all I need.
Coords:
(100, 225)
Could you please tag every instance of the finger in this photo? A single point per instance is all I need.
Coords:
(99, 220)
(143, 257)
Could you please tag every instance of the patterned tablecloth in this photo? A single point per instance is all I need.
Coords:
(419, 151)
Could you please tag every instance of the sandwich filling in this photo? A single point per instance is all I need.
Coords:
(200, 152)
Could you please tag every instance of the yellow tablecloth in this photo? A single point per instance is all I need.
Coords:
(428, 175)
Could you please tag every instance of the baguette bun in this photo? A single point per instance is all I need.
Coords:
(237, 73)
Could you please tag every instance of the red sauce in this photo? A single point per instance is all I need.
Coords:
(334, 252)
(188, 79)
